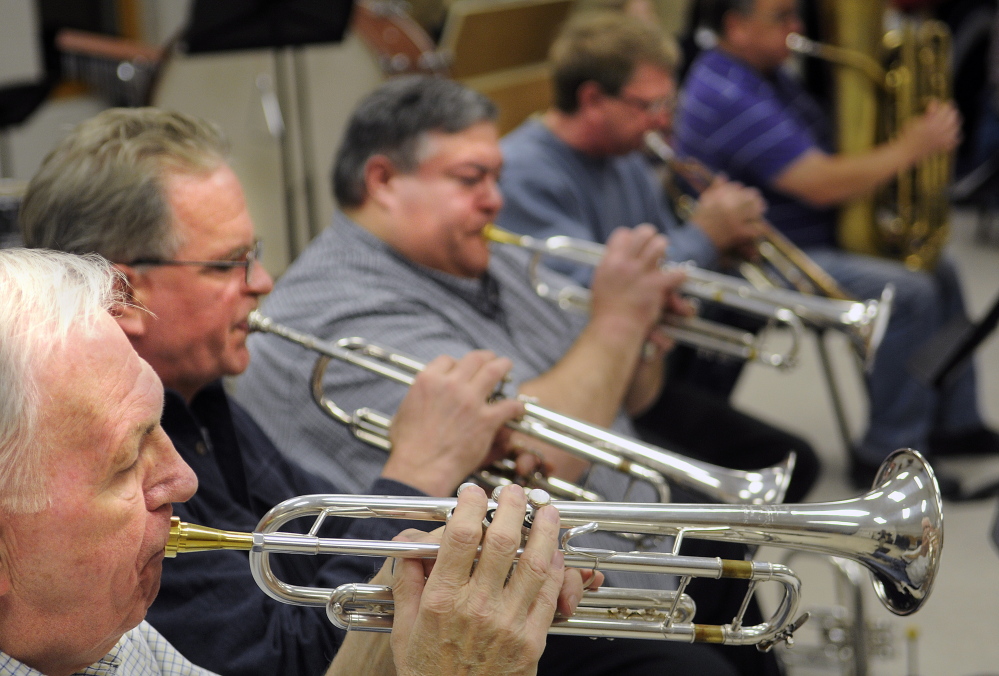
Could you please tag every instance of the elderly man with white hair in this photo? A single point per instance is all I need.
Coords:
(87, 482)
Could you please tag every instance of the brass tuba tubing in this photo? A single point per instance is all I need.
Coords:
(864, 323)
(900, 71)
(860, 61)
(641, 461)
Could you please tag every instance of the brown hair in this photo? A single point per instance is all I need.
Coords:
(605, 47)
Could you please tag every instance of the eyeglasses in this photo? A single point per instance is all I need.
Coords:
(248, 262)
(663, 104)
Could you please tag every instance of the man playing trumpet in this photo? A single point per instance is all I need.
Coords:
(578, 170)
(404, 264)
(152, 191)
(88, 477)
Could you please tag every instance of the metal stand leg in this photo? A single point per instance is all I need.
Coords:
(834, 393)
(6, 159)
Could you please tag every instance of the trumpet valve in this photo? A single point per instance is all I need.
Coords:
(536, 499)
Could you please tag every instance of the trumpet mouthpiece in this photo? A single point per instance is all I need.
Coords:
(189, 537)
(799, 43)
(499, 235)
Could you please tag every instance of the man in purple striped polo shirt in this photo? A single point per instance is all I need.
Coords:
(741, 114)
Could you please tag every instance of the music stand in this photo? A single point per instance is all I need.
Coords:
(226, 25)
(279, 25)
(995, 530)
(942, 358)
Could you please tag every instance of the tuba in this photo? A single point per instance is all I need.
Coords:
(885, 80)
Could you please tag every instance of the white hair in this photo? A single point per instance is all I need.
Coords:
(43, 294)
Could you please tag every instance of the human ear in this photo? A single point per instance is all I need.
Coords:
(379, 171)
(589, 94)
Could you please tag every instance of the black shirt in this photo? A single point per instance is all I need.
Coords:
(208, 606)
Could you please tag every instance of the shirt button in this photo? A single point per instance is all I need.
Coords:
(201, 448)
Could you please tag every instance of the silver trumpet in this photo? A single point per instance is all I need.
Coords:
(640, 461)
(895, 530)
(693, 331)
(863, 322)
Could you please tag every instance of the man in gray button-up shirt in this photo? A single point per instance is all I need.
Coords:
(405, 265)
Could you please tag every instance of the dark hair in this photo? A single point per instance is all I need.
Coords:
(605, 47)
(713, 12)
(393, 120)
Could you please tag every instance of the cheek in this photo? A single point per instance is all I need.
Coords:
(100, 571)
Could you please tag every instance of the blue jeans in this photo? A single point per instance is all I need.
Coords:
(903, 411)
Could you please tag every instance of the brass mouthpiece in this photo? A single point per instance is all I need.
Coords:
(499, 235)
(189, 537)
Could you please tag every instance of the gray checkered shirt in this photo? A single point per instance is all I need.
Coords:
(140, 652)
(350, 283)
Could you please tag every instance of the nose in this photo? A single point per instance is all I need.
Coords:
(260, 281)
(662, 120)
(171, 479)
(492, 198)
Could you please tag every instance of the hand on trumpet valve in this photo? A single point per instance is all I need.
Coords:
(495, 618)
(451, 403)
(527, 460)
(630, 290)
(731, 215)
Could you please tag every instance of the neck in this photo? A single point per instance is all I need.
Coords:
(747, 57)
(186, 390)
(49, 659)
(373, 219)
(575, 131)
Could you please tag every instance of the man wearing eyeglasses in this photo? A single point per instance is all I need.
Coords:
(578, 170)
(151, 190)
(743, 114)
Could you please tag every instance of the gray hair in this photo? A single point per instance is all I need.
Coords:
(101, 189)
(45, 294)
(393, 121)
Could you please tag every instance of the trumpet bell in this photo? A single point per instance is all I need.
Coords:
(869, 334)
(907, 556)
(895, 530)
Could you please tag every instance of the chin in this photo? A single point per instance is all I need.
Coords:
(237, 362)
